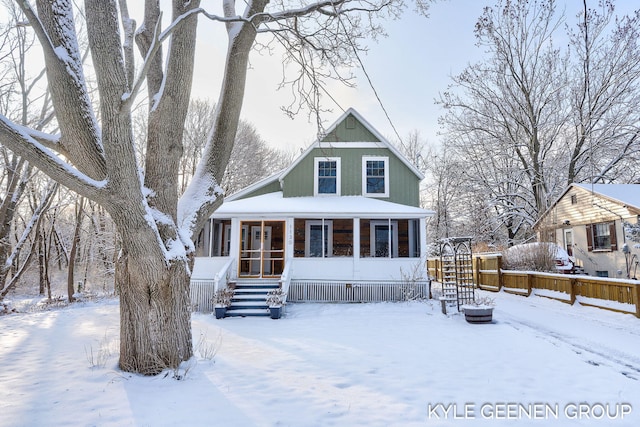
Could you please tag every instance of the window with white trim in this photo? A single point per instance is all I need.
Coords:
(319, 238)
(384, 239)
(327, 176)
(375, 176)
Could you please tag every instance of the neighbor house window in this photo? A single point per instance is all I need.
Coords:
(327, 176)
(375, 179)
(602, 237)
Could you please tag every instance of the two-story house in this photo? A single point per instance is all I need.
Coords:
(341, 223)
(588, 220)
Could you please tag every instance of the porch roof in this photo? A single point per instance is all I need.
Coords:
(274, 205)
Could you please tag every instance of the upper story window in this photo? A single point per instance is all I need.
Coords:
(327, 176)
(375, 176)
(602, 237)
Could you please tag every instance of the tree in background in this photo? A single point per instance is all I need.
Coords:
(20, 219)
(533, 117)
(94, 152)
(251, 158)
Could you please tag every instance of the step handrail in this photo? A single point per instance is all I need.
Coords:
(223, 273)
(285, 279)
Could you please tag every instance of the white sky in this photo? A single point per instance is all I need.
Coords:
(408, 69)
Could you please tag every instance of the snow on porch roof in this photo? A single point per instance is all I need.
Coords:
(274, 205)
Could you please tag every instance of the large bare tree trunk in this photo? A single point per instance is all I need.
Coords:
(155, 226)
(155, 317)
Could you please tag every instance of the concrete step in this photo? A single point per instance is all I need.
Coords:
(238, 305)
(246, 312)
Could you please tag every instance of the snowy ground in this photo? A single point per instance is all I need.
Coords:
(390, 364)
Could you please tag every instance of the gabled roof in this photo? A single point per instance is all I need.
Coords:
(337, 206)
(627, 195)
(381, 143)
(624, 194)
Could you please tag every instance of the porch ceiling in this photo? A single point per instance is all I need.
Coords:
(274, 205)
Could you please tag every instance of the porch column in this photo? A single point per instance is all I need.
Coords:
(423, 239)
(356, 247)
(288, 250)
(234, 245)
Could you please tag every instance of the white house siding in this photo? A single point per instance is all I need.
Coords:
(589, 208)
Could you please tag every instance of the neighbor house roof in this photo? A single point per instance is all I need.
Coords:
(274, 205)
(625, 194)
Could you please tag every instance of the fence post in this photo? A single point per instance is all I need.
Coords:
(574, 290)
(476, 271)
(499, 268)
(637, 292)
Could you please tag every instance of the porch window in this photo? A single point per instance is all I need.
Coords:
(375, 179)
(319, 241)
(390, 238)
(327, 176)
(384, 239)
(320, 237)
(220, 237)
(601, 237)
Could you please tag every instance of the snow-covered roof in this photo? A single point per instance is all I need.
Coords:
(625, 194)
(275, 205)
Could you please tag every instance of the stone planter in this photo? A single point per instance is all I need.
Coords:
(275, 312)
(220, 312)
(474, 314)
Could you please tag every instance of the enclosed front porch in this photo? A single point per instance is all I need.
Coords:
(332, 256)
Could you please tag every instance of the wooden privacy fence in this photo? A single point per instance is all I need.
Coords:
(611, 294)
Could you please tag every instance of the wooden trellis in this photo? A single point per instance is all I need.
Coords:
(457, 272)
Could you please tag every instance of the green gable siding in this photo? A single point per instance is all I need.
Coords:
(403, 183)
(271, 187)
(350, 129)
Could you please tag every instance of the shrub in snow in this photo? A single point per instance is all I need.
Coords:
(537, 256)
(5, 308)
(222, 297)
(275, 298)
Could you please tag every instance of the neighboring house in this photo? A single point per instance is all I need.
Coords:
(587, 220)
(339, 224)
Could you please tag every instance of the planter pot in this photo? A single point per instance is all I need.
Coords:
(220, 312)
(275, 312)
(478, 314)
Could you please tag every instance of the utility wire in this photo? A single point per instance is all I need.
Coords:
(364, 70)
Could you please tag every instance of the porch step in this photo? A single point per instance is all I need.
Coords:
(237, 305)
(247, 312)
(250, 297)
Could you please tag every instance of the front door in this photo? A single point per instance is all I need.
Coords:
(568, 241)
(262, 248)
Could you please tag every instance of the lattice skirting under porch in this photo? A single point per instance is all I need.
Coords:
(365, 291)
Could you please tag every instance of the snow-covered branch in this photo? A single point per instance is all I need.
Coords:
(21, 141)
